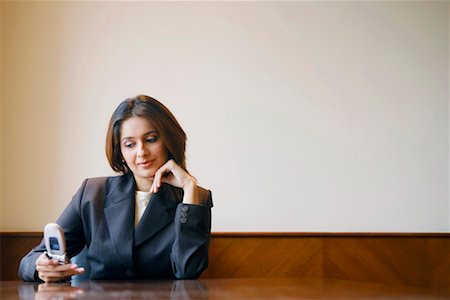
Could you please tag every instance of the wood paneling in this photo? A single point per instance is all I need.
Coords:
(438, 260)
(240, 257)
(412, 261)
(13, 246)
(421, 259)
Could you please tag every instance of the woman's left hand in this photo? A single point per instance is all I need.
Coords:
(175, 175)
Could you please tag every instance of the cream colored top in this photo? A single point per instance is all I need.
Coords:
(142, 200)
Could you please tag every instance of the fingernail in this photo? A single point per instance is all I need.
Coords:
(80, 270)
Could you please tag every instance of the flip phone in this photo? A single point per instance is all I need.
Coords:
(55, 243)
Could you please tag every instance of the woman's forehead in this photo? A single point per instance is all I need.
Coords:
(136, 126)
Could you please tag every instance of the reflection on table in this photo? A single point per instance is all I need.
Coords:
(243, 288)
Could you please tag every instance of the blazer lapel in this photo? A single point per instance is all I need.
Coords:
(119, 215)
(158, 214)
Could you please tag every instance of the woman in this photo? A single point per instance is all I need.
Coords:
(153, 221)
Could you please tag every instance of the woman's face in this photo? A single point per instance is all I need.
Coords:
(142, 149)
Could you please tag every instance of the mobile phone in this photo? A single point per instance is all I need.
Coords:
(55, 243)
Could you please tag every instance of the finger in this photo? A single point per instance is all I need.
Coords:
(178, 176)
(152, 188)
(153, 182)
(170, 179)
(43, 260)
(157, 179)
(56, 268)
(58, 275)
(165, 169)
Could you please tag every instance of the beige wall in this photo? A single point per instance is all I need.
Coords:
(307, 116)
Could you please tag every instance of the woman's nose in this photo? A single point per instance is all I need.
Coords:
(142, 150)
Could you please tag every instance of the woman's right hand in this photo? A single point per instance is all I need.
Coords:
(50, 270)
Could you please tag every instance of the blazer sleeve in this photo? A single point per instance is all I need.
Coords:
(71, 222)
(189, 255)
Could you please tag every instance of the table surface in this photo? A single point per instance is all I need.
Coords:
(236, 288)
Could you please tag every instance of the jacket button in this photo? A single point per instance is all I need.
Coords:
(183, 214)
(184, 208)
(183, 220)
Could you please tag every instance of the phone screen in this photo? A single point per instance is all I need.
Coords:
(54, 245)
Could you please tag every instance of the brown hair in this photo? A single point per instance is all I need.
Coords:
(170, 131)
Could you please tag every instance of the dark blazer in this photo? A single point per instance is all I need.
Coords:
(170, 241)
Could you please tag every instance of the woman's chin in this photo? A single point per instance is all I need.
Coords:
(146, 175)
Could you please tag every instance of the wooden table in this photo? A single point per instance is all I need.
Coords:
(237, 288)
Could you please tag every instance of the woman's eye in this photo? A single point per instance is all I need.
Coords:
(152, 140)
(129, 145)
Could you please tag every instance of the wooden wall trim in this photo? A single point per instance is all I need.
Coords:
(421, 259)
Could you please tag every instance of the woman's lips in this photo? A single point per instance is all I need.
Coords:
(145, 164)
